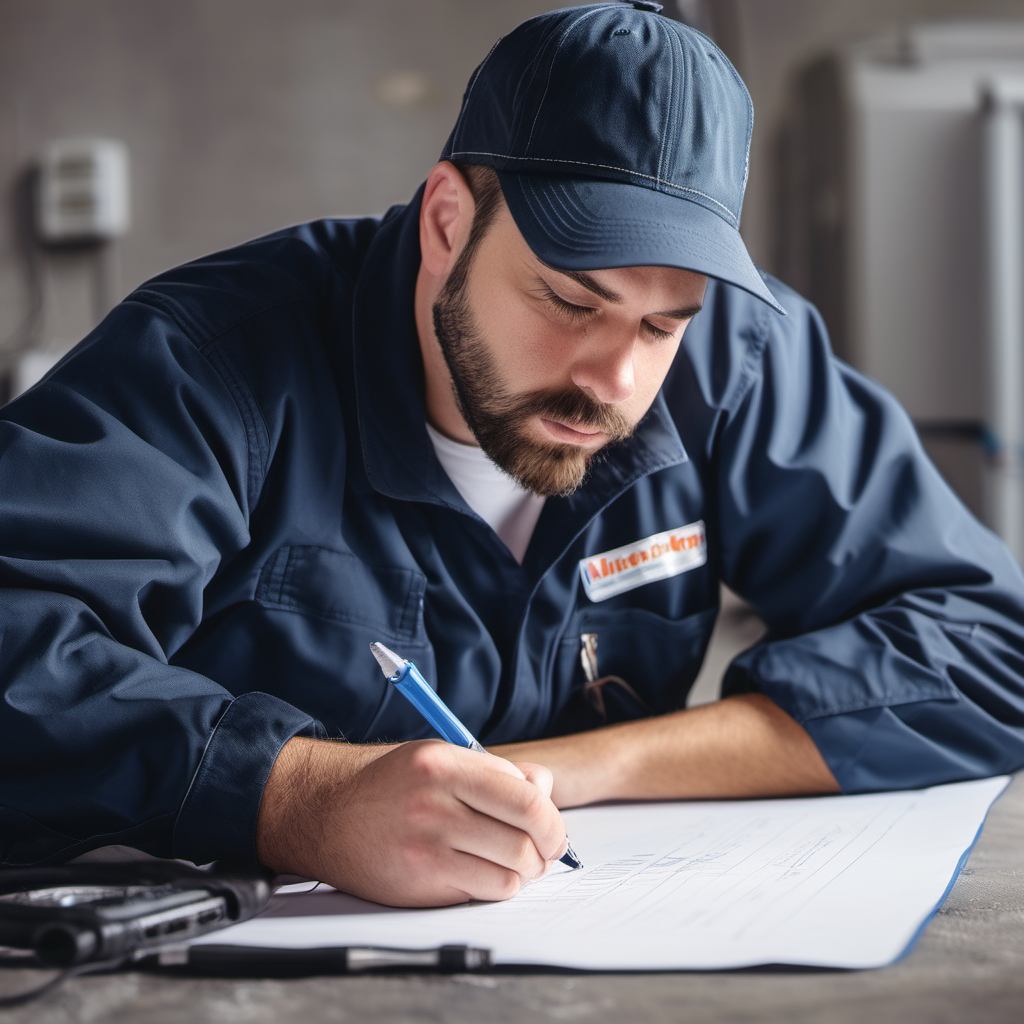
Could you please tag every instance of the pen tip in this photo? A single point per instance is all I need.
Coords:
(570, 859)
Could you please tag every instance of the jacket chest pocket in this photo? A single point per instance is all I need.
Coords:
(340, 606)
(629, 663)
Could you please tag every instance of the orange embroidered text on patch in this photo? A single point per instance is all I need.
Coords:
(644, 561)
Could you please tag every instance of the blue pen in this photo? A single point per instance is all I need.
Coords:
(406, 677)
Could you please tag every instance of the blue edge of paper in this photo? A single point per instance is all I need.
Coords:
(956, 874)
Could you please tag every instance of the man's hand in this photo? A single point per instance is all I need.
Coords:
(420, 824)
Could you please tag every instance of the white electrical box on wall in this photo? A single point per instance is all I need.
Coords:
(83, 190)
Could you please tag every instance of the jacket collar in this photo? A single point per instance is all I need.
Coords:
(389, 386)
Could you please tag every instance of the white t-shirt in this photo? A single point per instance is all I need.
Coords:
(508, 508)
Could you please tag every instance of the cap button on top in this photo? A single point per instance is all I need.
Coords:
(645, 5)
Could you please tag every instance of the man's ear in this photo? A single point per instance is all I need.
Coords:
(446, 215)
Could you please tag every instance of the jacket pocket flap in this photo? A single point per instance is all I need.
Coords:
(338, 586)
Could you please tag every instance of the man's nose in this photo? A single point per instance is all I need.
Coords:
(606, 370)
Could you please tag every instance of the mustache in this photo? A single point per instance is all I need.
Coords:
(573, 407)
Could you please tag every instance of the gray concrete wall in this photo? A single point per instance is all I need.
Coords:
(241, 116)
(244, 115)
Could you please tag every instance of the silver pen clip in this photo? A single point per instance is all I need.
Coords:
(593, 688)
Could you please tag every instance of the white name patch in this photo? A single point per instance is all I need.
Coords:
(644, 561)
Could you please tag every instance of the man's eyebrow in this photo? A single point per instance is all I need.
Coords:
(582, 278)
(683, 313)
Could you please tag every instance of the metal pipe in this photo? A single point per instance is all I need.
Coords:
(1003, 212)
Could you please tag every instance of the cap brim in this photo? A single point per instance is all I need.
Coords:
(580, 224)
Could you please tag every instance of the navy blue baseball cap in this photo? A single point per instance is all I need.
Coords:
(620, 138)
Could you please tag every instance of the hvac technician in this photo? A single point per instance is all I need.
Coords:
(543, 410)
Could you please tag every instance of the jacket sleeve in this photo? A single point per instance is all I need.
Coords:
(127, 479)
(896, 621)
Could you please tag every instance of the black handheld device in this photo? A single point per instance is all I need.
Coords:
(108, 913)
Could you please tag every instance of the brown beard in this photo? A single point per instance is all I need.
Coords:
(496, 416)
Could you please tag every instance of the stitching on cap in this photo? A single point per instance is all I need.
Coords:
(673, 40)
(470, 88)
(571, 222)
(710, 247)
(605, 167)
(551, 63)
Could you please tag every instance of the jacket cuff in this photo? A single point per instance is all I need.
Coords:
(218, 816)
(880, 720)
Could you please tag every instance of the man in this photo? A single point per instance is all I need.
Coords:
(265, 460)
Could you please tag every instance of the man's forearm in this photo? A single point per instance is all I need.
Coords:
(745, 746)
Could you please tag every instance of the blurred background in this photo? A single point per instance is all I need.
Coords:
(886, 181)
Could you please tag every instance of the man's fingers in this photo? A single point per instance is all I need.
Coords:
(476, 878)
(501, 844)
(538, 775)
(516, 802)
(491, 786)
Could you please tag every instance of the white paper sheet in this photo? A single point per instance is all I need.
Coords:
(845, 881)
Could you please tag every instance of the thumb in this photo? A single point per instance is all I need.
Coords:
(540, 776)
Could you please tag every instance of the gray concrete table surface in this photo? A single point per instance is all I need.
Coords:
(968, 966)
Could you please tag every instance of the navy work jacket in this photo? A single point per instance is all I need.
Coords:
(216, 502)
